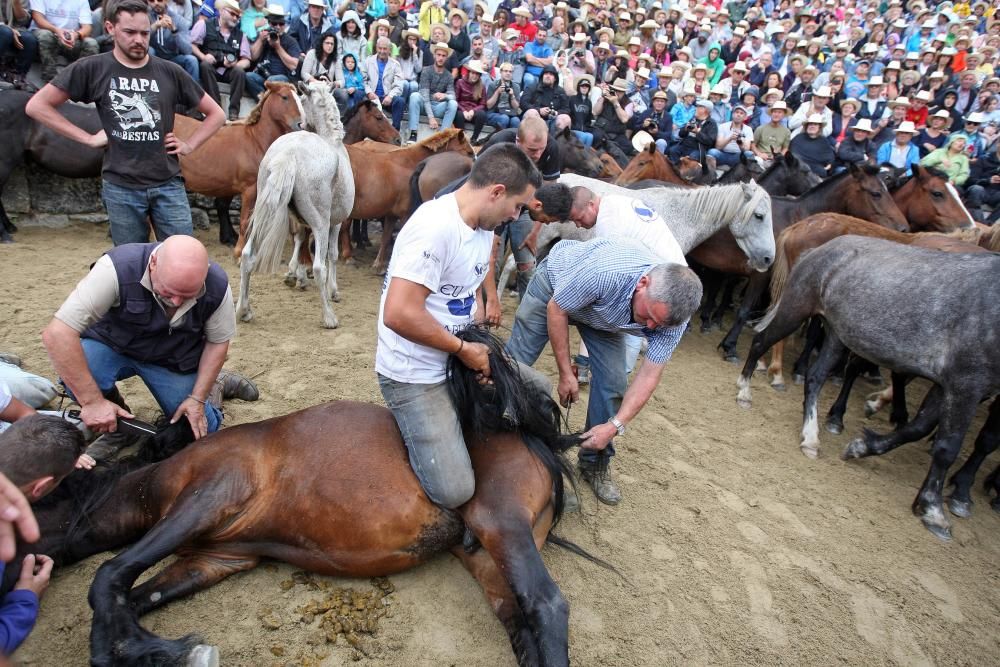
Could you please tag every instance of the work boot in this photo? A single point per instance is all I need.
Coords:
(235, 385)
(10, 358)
(598, 476)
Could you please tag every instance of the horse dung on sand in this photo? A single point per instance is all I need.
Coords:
(307, 175)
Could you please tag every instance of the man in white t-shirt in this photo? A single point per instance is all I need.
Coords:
(612, 216)
(431, 293)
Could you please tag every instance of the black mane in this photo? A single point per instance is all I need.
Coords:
(353, 111)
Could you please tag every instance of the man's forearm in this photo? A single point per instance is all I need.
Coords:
(212, 358)
(16, 410)
(44, 23)
(50, 117)
(490, 282)
(558, 327)
(638, 393)
(62, 342)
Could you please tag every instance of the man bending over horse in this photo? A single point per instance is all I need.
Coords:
(161, 311)
(607, 287)
(431, 293)
(36, 453)
(135, 96)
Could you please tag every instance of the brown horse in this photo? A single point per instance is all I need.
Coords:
(929, 202)
(306, 489)
(366, 120)
(242, 144)
(610, 169)
(382, 181)
(858, 192)
(816, 230)
(650, 164)
(577, 158)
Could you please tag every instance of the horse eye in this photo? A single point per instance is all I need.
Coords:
(876, 195)
(759, 216)
(937, 195)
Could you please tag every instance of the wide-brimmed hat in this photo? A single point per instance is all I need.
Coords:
(779, 104)
(275, 11)
(316, 3)
(409, 32)
(774, 91)
(875, 81)
(521, 11)
(621, 85)
(641, 139)
(648, 24)
(634, 41)
(718, 89)
(441, 46)
(705, 103)
(458, 12)
(907, 127)
(664, 73)
(863, 125)
(901, 101)
(976, 117)
(659, 95)
(850, 100)
(584, 79)
(740, 66)
(443, 26)
(815, 119)
(475, 66)
(604, 45)
(510, 33)
(936, 75)
(823, 91)
(624, 16)
(487, 18)
(940, 113)
(231, 5)
(924, 96)
(700, 66)
(580, 37)
(644, 73)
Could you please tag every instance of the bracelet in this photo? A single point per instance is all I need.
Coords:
(461, 344)
(195, 398)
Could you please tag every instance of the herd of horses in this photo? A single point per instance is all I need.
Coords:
(880, 267)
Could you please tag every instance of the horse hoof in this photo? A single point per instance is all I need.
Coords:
(809, 452)
(290, 279)
(934, 520)
(743, 403)
(203, 655)
(732, 357)
(798, 379)
(705, 328)
(856, 449)
(6, 238)
(335, 297)
(779, 387)
(960, 508)
(870, 408)
(834, 427)
(247, 316)
(331, 323)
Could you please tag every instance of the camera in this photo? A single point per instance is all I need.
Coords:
(578, 53)
(230, 58)
(272, 36)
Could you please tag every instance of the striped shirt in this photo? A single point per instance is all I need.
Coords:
(593, 281)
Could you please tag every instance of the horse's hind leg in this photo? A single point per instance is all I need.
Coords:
(835, 417)
(712, 282)
(831, 353)
(190, 573)
(751, 298)
(381, 262)
(513, 546)
(726, 302)
(960, 502)
(814, 338)
(331, 262)
(6, 226)
(993, 482)
(247, 261)
(874, 444)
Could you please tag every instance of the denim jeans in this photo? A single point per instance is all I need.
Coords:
(606, 350)
(167, 387)
(530, 81)
(502, 121)
(728, 159)
(22, 57)
(398, 106)
(445, 110)
(166, 204)
(514, 234)
(189, 64)
(255, 82)
(661, 145)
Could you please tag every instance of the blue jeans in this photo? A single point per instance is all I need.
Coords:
(166, 204)
(189, 64)
(661, 145)
(255, 82)
(398, 105)
(530, 81)
(167, 387)
(502, 121)
(514, 234)
(585, 137)
(728, 159)
(606, 349)
(445, 110)
(22, 57)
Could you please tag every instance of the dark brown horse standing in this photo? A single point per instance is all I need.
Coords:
(340, 501)
(858, 192)
(21, 138)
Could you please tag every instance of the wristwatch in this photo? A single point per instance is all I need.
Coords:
(618, 425)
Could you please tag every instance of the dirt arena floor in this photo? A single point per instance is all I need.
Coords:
(735, 548)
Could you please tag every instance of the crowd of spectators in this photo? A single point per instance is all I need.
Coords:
(834, 81)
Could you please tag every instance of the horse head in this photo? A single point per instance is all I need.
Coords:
(869, 199)
(648, 163)
(576, 157)
(931, 203)
(754, 229)
(452, 139)
(367, 120)
(280, 104)
(610, 169)
(795, 178)
(689, 169)
(320, 110)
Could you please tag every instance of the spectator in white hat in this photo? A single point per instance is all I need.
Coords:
(816, 106)
(774, 137)
(901, 152)
(735, 140)
(812, 148)
(856, 148)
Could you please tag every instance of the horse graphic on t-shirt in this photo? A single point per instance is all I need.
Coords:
(133, 110)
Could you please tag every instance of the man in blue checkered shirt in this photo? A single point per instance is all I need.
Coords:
(607, 288)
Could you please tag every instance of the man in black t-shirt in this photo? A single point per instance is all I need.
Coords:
(135, 96)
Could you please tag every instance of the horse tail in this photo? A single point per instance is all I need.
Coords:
(269, 220)
(780, 269)
(415, 199)
(575, 548)
(765, 322)
(512, 405)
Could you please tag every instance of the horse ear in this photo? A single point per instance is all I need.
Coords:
(301, 86)
(748, 189)
(651, 148)
(918, 171)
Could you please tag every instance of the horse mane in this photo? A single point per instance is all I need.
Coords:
(718, 202)
(254, 116)
(508, 404)
(990, 238)
(439, 140)
(353, 111)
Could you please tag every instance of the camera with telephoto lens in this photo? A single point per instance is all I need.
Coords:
(230, 58)
(578, 53)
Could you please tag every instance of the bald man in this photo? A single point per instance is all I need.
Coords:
(161, 311)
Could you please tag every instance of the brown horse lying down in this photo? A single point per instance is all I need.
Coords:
(328, 489)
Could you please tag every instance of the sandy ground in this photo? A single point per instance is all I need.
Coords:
(736, 548)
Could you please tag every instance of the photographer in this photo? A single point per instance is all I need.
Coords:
(580, 60)
(275, 52)
(548, 98)
(503, 109)
(613, 112)
(224, 53)
(735, 140)
(656, 121)
(697, 136)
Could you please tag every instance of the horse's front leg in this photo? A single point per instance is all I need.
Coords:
(247, 261)
(331, 262)
(321, 234)
(248, 199)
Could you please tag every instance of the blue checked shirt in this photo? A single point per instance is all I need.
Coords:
(593, 281)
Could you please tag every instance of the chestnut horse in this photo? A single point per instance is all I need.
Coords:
(328, 489)
(928, 200)
(226, 165)
(650, 164)
(858, 192)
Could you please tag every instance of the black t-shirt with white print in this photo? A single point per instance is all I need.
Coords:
(136, 107)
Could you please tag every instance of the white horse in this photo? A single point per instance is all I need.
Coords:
(692, 214)
(309, 173)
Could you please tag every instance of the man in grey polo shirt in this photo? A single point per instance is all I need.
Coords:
(607, 287)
